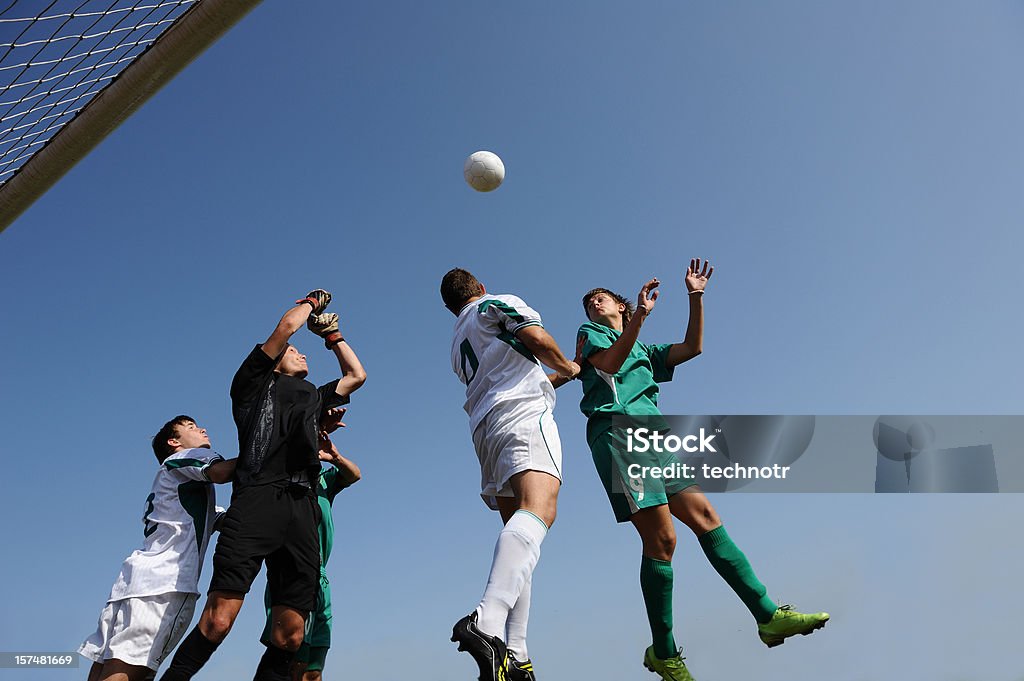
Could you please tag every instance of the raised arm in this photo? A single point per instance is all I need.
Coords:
(610, 360)
(347, 470)
(693, 343)
(352, 373)
(314, 303)
(546, 350)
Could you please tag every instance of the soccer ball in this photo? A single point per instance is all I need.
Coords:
(484, 171)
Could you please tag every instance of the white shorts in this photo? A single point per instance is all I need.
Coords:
(520, 437)
(140, 631)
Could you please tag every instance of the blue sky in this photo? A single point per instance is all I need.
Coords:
(851, 169)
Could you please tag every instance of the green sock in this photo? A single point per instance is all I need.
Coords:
(656, 585)
(735, 569)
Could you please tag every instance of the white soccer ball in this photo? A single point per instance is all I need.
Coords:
(484, 171)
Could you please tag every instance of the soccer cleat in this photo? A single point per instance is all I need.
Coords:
(672, 669)
(519, 671)
(488, 651)
(788, 622)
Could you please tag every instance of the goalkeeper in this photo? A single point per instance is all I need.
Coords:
(312, 654)
(274, 513)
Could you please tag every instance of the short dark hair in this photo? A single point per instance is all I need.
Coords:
(168, 431)
(627, 314)
(457, 287)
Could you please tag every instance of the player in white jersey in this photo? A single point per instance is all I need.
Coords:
(497, 352)
(153, 598)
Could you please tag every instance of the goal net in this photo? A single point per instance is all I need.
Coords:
(71, 71)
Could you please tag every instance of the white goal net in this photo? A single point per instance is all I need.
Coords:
(72, 70)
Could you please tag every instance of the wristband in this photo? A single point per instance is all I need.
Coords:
(333, 339)
(701, 291)
(312, 303)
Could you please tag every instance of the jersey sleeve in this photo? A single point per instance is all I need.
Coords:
(329, 397)
(594, 339)
(658, 354)
(193, 463)
(510, 313)
(333, 483)
(249, 378)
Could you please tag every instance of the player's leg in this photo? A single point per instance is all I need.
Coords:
(644, 502)
(312, 655)
(530, 513)
(520, 458)
(198, 646)
(657, 533)
(286, 631)
(658, 536)
(775, 624)
(695, 511)
(219, 614)
(519, 666)
(287, 627)
(515, 555)
(535, 499)
(293, 577)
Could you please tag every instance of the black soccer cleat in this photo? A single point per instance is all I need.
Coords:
(519, 671)
(488, 651)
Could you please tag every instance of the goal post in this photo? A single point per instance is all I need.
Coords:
(190, 34)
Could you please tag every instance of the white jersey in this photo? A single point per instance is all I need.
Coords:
(177, 521)
(496, 367)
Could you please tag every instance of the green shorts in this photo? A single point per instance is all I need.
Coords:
(317, 639)
(635, 480)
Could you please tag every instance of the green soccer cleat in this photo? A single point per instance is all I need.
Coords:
(788, 622)
(672, 669)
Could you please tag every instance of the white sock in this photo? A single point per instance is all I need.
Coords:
(515, 555)
(515, 625)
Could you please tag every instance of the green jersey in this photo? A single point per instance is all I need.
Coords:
(327, 487)
(632, 390)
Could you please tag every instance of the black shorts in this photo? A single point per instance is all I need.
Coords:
(277, 523)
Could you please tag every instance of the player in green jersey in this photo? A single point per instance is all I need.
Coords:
(620, 376)
(310, 658)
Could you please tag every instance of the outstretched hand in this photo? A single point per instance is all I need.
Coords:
(332, 420)
(327, 451)
(648, 295)
(696, 277)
